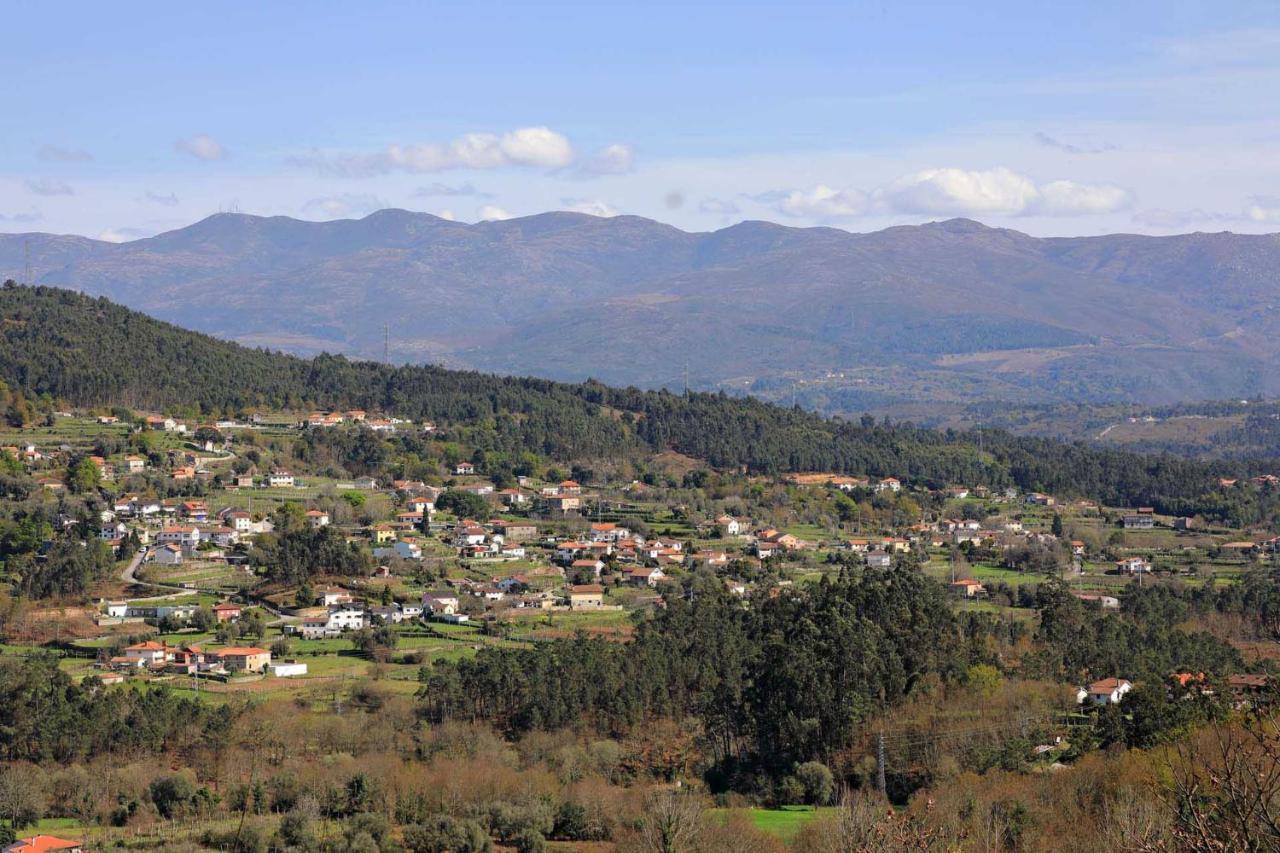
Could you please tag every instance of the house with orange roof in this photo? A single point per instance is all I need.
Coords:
(149, 653)
(43, 844)
(968, 588)
(242, 658)
(227, 611)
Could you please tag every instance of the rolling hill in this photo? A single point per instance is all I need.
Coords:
(66, 348)
(950, 310)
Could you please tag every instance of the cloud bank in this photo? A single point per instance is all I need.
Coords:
(954, 192)
(538, 147)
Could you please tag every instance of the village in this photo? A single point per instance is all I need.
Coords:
(464, 554)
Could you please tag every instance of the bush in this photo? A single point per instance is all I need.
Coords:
(445, 834)
(530, 841)
(818, 783)
(295, 830)
(173, 795)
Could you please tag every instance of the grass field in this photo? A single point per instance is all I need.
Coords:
(784, 822)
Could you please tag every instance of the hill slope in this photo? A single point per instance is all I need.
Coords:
(945, 310)
(90, 352)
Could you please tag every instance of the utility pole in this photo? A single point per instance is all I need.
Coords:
(880, 762)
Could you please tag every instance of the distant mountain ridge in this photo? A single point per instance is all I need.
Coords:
(949, 309)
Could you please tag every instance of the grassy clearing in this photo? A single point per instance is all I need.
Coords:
(785, 822)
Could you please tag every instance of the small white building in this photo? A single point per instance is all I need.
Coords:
(287, 669)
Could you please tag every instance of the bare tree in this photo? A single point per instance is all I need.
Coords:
(1137, 823)
(1225, 786)
(672, 822)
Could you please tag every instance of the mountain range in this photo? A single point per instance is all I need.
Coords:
(947, 311)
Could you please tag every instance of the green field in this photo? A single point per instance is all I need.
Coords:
(783, 822)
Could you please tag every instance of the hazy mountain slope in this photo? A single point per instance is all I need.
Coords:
(945, 309)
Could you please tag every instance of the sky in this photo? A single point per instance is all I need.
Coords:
(1054, 119)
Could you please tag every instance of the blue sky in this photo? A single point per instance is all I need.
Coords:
(1051, 118)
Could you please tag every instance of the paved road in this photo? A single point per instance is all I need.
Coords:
(130, 577)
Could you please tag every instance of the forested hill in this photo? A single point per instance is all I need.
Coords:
(91, 352)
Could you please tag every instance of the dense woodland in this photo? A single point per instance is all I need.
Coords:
(58, 345)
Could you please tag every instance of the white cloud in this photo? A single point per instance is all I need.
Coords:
(202, 147)
(344, 206)
(961, 192)
(952, 192)
(170, 200)
(49, 186)
(1068, 198)
(123, 235)
(538, 147)
(955, 192)
(58, 154)
(491, 212)
(614, 159)
(591, 207)
(447, 214)
(823, 202)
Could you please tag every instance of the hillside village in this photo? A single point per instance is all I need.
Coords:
(458, 548)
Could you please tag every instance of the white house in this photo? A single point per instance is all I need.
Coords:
(645, 576)
(1107, 691)
(729, 526)
(1133, 566)
(280, 479)
(238, 520)
(113, 531)
(183, 537)
(338, 619)
(439, 603)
